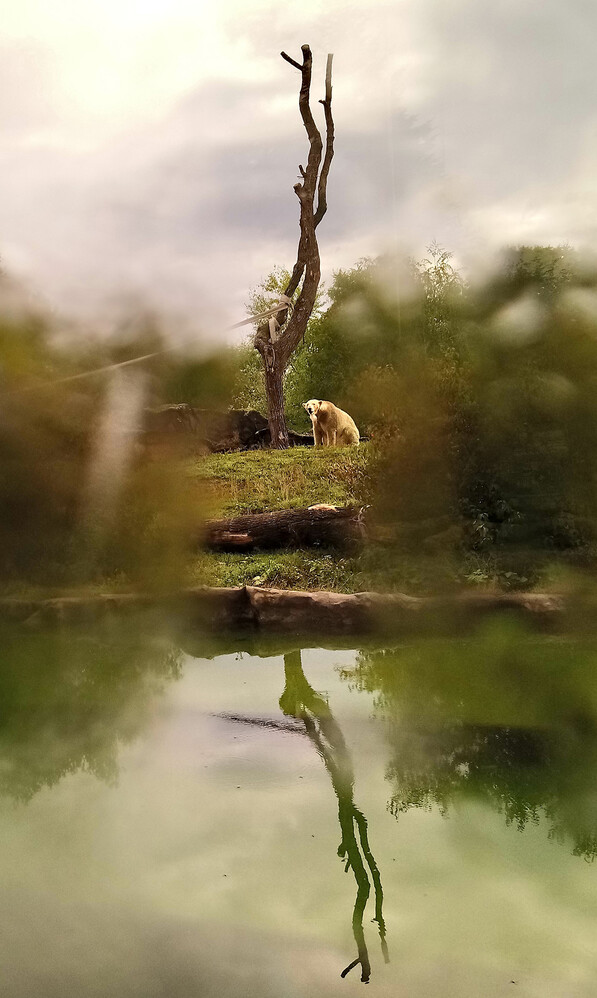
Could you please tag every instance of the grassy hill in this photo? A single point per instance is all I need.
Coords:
(258, 481)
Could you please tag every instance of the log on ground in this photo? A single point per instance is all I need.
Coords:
(285, 528)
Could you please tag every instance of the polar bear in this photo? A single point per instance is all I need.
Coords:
(331, 425)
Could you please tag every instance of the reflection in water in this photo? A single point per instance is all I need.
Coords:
(70, 697)
(300, 700)
(509, 721)
(524, 774)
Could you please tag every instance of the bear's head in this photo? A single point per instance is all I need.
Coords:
(312, 406)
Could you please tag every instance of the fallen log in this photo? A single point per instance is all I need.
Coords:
(317, 525)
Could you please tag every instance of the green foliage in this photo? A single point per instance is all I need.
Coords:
(249, 384)
(204, 382)
(504, 717)
(481, 401)
(266, 294)
(248, 390)
(72, 697)
(528, 449)
(78, 500)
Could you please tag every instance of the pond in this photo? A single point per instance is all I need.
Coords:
(423, 817)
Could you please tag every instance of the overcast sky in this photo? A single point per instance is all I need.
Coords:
(149, 147)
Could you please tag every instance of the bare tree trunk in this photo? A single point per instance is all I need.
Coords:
(276, 345)
(274, 390)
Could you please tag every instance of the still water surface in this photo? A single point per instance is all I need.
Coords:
(171, 825)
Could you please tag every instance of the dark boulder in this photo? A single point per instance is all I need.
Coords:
(203, 430)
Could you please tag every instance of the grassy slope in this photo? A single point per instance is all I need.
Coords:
(257, 481)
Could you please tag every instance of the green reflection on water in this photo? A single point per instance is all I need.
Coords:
(70, 698)
(300, 700)
(502, 717)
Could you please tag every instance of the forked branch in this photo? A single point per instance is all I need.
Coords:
(322, 204)
(308, 251)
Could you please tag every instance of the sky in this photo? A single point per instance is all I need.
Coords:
(149, 147)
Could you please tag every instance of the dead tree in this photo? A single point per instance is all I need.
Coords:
(277, 340)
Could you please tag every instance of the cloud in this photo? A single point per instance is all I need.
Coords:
(152, 151)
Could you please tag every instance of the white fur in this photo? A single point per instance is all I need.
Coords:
(331, 425)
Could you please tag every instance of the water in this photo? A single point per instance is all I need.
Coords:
(171, 825)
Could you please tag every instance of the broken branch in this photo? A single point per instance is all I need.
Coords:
(322, 204)
(292, 62)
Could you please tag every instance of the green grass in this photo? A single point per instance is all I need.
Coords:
(372, 569)
(258, 481)
(298, 569)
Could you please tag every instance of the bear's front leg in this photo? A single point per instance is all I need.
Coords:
(318, 436)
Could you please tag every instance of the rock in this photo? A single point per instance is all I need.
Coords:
(317, 619)
(297, 612)
(203, 430)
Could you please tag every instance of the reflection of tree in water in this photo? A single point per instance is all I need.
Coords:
(446, 744)
(300, 700)
(522, 773)
(69, 697)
